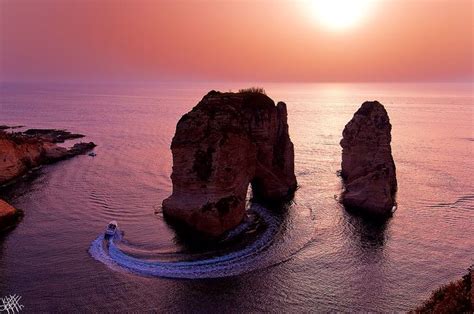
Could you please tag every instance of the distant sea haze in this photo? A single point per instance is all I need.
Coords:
(322, 257)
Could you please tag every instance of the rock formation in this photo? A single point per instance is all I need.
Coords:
(368, 169)
(225, 143)
(8, 215)
(20, 152)
(52, 135)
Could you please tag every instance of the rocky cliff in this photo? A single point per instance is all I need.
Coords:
(368, 169)
(8, 215)
(225, 143)
(20, 152)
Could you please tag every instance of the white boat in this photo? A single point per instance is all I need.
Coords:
(111, 228)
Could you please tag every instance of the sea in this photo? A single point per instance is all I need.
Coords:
(314, 257)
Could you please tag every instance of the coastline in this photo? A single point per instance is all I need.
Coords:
(131, 175)
(22, 152)
(9, 216)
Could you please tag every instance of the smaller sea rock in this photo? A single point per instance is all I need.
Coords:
(368, 169)
(6, 127)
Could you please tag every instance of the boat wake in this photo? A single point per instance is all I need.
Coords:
(267, 249)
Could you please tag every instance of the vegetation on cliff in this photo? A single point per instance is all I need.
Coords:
(253, 89)
(455, 297)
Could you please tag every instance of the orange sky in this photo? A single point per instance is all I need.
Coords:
(274, 40)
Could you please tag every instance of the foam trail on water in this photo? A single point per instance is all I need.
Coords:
(237, 262)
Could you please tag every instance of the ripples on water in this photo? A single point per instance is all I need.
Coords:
(315, 257)
(253, 256)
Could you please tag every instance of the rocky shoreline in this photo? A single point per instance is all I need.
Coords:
(9, 215)
(21, 152)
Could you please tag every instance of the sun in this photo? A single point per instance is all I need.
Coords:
(341, 14)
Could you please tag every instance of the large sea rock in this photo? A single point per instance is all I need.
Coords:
(226, 142)
(368, 169)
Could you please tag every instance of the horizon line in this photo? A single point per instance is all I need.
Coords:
(255, 82)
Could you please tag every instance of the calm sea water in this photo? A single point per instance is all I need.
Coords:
(321, 259)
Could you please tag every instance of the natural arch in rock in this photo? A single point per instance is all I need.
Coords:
(226, 142)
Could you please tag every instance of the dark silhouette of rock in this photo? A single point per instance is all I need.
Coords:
(80, 148)
(52, 135)
(57, 153)
(8, 215)
(6, 127)
(21, 152)
(224, 143)
(368, 169)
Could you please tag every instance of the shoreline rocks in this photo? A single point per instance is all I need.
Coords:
(368, 169)
(22, 151)
(6, 127)
(52, 135)
(226, 142)
(8, 215)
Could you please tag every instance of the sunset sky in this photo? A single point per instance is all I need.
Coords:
(274, 40)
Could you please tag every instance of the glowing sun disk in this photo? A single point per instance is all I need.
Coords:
(341, 14)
